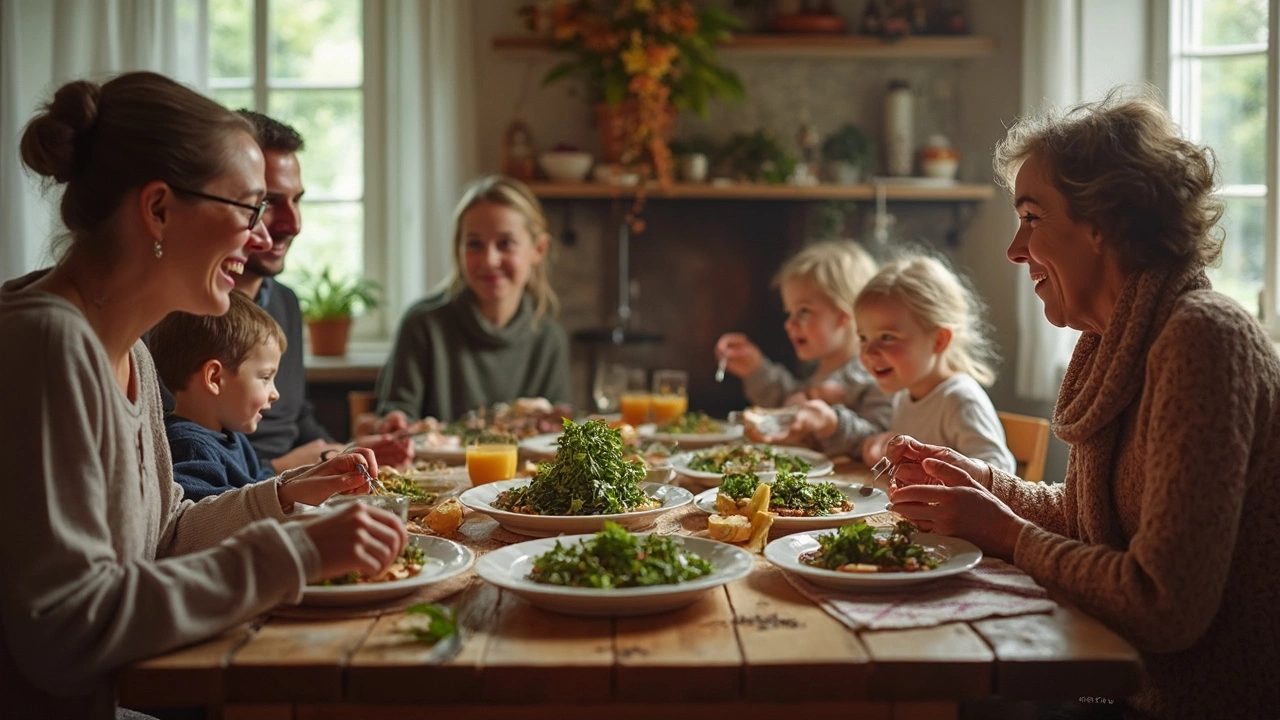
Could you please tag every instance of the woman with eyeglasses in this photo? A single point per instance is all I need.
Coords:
(103, 562)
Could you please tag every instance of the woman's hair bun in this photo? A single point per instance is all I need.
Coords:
(53, 138)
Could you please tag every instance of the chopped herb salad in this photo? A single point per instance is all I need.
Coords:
(614, 558)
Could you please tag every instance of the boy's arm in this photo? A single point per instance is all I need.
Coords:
(769, 385)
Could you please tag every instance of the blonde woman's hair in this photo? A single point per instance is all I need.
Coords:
(937, 297)
(1123, 166)
(839, 269)
(514, 194)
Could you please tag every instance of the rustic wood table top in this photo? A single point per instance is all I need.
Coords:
(742, 649)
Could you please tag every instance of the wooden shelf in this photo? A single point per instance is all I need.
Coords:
(959, 192)
(948, 47)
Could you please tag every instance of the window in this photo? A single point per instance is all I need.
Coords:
(302, 62)
(1221, 88)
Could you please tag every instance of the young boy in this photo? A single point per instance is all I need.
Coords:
(222, 373)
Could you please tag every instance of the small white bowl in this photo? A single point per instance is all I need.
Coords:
(566, 166)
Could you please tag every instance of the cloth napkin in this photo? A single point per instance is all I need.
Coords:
(992, 589)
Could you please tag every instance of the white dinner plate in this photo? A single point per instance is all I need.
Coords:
(445, 558)
(822, 465)
(481, 498)
(732, 433)
(509, 568)
(452, 454)
(959, 556)
(541, 447)
(876, 503)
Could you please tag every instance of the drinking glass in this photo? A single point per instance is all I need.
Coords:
(635, 400)
(492, 457)
(608, 387)
(670, 395)
(395, 504)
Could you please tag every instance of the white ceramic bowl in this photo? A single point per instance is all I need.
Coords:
(566, 166)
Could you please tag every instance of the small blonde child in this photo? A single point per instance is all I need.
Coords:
(221, 369)
(924, 341)
(839, 402)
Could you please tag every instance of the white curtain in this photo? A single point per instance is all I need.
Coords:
(424, 122)
(44, 44)
(1050, 74)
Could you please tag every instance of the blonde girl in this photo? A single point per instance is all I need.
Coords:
(840, 404)
(490, 337)
(924, 342)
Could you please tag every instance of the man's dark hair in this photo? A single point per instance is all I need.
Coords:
(271, 133)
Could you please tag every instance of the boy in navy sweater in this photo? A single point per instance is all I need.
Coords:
(222, 372)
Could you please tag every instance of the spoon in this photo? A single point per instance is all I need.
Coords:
(879, 469)
(724, 362)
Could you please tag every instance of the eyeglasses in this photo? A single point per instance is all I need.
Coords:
(257, 210)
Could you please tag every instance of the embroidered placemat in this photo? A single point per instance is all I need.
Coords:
(992, 589)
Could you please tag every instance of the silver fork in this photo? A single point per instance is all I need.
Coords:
(374, 484)
(879, 469)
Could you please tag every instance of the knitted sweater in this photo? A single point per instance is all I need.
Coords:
(1166, 524)
(449, 359)
(103, 561)
(210, 463)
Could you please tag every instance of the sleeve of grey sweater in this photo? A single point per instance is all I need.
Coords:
(770, 384)
(90, 586)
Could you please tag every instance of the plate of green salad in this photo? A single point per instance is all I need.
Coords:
(800, 502)
(859, 556)
(614, 572)
(588, 483)
(708, 467)
(692, 430)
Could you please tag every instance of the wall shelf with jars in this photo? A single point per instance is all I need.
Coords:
(955, 47)
(922, 192)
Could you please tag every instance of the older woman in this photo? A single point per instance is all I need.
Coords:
(103, 562)
(1166, 525)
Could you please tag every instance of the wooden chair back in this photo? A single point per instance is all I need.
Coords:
(358, 403)
(1028, 440)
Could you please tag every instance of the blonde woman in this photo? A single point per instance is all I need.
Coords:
(491, 337)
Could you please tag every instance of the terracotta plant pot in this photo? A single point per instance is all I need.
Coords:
(329, 337)
(614, 123)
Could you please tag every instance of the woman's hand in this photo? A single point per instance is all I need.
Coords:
(907, 454)
(340, 473)
(815, 418)
(357, 538)
(949, 501)
(741, 356)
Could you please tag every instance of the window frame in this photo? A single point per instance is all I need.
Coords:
(1171, 23)
(372, 327)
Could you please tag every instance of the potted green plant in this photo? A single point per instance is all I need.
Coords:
(328, 305)
(756, 157)
(846, 153)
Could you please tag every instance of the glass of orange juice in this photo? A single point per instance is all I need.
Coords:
(670, 395)
(635, 401)
(492, 457)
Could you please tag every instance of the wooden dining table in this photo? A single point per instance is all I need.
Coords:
(755, 648)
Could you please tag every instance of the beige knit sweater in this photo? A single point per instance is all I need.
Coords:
(1168, 523)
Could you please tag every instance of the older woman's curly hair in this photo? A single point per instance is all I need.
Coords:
(1123, 167)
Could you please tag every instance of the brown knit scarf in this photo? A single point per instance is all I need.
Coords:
(1104, 378)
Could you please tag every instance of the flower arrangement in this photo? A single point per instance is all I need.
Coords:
(642, 58)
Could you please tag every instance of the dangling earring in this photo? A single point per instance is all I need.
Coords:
(157, 249)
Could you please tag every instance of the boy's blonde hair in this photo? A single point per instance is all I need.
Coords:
(838, 268)
(182, 343)
(939, 298)
(514, 194)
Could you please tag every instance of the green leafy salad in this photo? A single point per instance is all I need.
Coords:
(792, 494)
(587, 477)
(694, 423)
(397, 484)
(615, 558)
(732, 459)
(859, 548)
